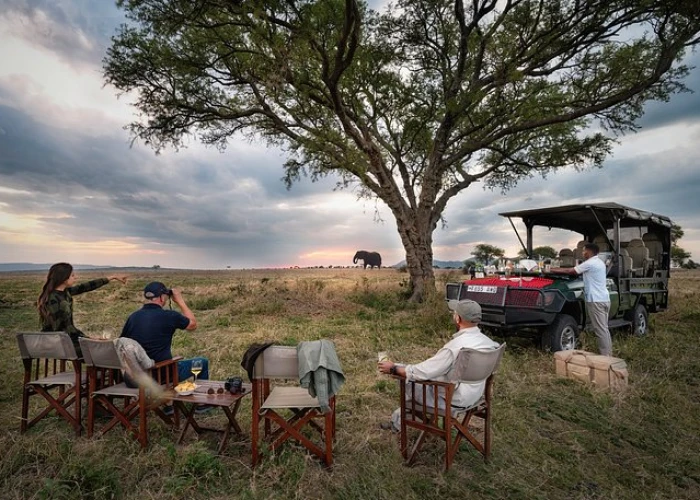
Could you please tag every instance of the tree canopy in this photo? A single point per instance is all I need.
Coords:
(484, 252)
(678, 254)
(545, 252)
(411, 105)
(676, 234)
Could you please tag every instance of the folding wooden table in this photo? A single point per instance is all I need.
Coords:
(228, 402)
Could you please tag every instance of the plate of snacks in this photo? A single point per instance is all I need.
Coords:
(185, 388)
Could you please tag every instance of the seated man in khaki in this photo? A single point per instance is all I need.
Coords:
(466, 314)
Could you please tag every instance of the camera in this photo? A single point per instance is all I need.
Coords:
(234, 385)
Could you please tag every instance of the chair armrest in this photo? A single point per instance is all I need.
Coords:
(431, 382)
(422, 382)
(444, 389)
(165, 372)
(166, 362)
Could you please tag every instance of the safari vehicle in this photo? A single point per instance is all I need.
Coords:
(634, 244)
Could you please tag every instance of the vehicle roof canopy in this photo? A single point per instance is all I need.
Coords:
(582, 218)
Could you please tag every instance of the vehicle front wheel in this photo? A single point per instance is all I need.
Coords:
(561, 335)
(640, 321)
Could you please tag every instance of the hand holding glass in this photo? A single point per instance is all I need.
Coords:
(196, 368)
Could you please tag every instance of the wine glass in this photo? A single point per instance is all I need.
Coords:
(196, 368)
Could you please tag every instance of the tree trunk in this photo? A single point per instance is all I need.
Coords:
(417, 240)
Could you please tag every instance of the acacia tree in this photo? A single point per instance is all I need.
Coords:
(544, 251)
(484, 252)
(678, 254)
(413, 104)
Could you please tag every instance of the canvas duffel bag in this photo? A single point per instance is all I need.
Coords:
(602, 371)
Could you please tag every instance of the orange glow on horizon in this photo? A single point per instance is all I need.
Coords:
(329, 254)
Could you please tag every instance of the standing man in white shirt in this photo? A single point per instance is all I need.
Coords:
(466, 314)
(596, 294)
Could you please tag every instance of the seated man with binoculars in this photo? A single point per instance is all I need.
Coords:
(153, 327)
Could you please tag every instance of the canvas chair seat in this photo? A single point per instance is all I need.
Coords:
(287, 411)
(66, 379)
(428, 418)
(106, 386)
(120, 390)
(289, 397)
(52, 370)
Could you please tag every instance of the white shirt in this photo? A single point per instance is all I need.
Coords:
(594, 280)
(437, 367)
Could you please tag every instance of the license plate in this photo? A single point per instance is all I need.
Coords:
(482, 288)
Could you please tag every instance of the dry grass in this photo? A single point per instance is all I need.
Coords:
(553, 438)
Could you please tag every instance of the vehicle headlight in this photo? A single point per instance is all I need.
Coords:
(550, 297)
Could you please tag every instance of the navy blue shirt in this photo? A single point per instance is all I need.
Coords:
(153, 327)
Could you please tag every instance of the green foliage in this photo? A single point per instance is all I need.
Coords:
(676, 233)
(690, 264)
(208, 303)
(379, 301)
(678, 254)
(412, 104)
(546, 252)
(484, 253)
(95, 480)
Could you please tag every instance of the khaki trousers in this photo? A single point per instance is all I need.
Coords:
(598, 315)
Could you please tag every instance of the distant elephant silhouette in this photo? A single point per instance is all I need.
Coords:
(371, 259)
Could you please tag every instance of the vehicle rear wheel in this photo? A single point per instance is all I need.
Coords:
(640, 321)
(561, 335)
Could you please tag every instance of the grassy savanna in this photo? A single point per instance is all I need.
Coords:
(553, 438)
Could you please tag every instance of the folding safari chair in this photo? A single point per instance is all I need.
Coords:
(52, 370)
(287, 411)
(106, 385)
(427, 417)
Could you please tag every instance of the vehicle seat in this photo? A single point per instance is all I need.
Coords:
(578, 251)
(602, 243)
(640, 256)
(626, 262)
(566, 257)
(655, 247)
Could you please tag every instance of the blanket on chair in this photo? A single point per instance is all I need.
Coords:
(319, 370)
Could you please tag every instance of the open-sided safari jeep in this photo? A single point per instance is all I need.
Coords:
(634, 244)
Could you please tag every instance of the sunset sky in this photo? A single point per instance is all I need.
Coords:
(73, 189)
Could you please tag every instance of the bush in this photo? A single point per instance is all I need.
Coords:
(690, 265)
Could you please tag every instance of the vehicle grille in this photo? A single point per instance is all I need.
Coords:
(518, 292)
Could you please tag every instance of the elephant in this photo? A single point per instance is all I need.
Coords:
(370, 259)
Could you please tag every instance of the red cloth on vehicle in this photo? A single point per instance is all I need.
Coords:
(512, 281)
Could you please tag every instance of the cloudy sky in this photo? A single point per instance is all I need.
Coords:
(73, 189)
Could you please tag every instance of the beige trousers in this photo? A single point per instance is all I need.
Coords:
(598, 316)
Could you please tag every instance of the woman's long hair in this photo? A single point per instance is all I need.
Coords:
(58, 273)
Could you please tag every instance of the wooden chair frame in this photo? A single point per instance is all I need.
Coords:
(46, 357)
(428, 418)
(106, 384)
(278, 362)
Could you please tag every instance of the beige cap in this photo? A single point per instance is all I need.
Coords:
(468, 310)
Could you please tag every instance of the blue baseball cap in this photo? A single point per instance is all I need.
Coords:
(156, 289)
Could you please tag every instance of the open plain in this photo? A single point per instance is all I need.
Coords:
(553, 438)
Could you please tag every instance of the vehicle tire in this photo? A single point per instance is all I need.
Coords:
(561, 335)
(640, 321)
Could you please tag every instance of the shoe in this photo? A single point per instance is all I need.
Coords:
(203, 409)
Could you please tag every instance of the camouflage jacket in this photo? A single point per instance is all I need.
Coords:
(60, 308)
